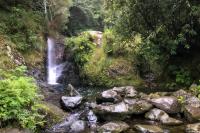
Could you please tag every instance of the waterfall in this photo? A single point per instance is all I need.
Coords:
(54, 70)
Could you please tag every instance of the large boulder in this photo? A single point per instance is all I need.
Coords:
(193, 128)
(148, 128)
(192, 113)
(109, 112)
(163, 117)
(168, 104)
(113, 127)
(71, 102)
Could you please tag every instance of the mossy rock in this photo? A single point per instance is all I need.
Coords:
(53, 113)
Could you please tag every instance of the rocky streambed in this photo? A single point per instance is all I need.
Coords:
(126, 110)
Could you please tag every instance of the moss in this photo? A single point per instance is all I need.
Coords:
(110, 72)
(6, 62)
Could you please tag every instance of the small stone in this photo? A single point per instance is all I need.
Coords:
(130, 92)
(193, 128)
(113, 127)
(148, 128)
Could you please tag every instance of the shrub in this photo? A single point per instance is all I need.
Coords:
(19, 100)
(82, 47)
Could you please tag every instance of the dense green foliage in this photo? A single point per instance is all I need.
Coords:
(168, 30)
(19, 100)
(97, 67)
(82, 47)
(22, 26)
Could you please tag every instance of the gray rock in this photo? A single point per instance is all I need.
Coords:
(168, 104)
(192, 113)
(163, 117)
(64, 126)
(112, 112)
(127, 91)
(193, 128)
(71, 102)
(113, 108)
(78, 126)
(148, 128)
(192, 101)
(109, 96)
(130, 92)
(182, 93)
(137, 106)
(113, 127)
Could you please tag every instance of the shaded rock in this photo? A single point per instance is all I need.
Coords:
(182, 93)
(108, 96)
(53, 113)
(168, 104)
(164, 118)
(13, 130)
(71, 90)
(192, 113)
(127, 91)
(148, 129)
(193, 101)
(137, 106)
(64, 126)
(77, 126)
(193, 128)
(71, 102)
(113, 127)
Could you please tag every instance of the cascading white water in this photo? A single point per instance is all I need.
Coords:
(54, 70)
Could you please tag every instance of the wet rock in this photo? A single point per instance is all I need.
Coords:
(137, 106)
(92, 119)
(148, 129)
(109, 96)
(77, 126)
(71, 102)
(163, 117)
(64, 126)
(193, 128)
(113, 127)
(168, 104)
(192, 113)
